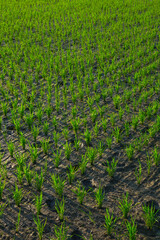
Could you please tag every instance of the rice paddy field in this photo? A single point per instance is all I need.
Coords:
(80, 119)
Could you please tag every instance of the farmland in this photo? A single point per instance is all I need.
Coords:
(80, 120)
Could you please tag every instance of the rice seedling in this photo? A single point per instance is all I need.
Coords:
(109, 222)
(111, 168)
(132, 230)
(3, 171)
(116, 101)
(76, 143)
(130, 151)
(127, 128)
(101, 110)
(35, 132)
(60, 209)
(104, 124)
(34, 153)
(150, 216)
(138, 174)
(74, 114)
(101, 149)
(117, 135)
(54, 122)
(141, 116)
(56, 138)
(39, 180)
(83, 164)
(96, 129)
(58, 184)
(28, 174)
(4, 108)
(2, 186)
(39, 115)
(17, 195)
(21, 159)
(71, 174)
(45, 145)
(134, 122)
(20, 175)
(152, 131)
(46, 128)
(11, 148)
(2, 208)
(40, 226)
(65, 133)
(38, 203)
(87, 135)
(109, 141)
(75, 124)
(56, 160)
(18, 220)
(99, 196)
(49, 109)
(125, 206)
(67, 148)
(22, 140)
(61, 232)
(156, 156)
(29, 120)
(80, 192)
(91, 154)
(17, 125)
